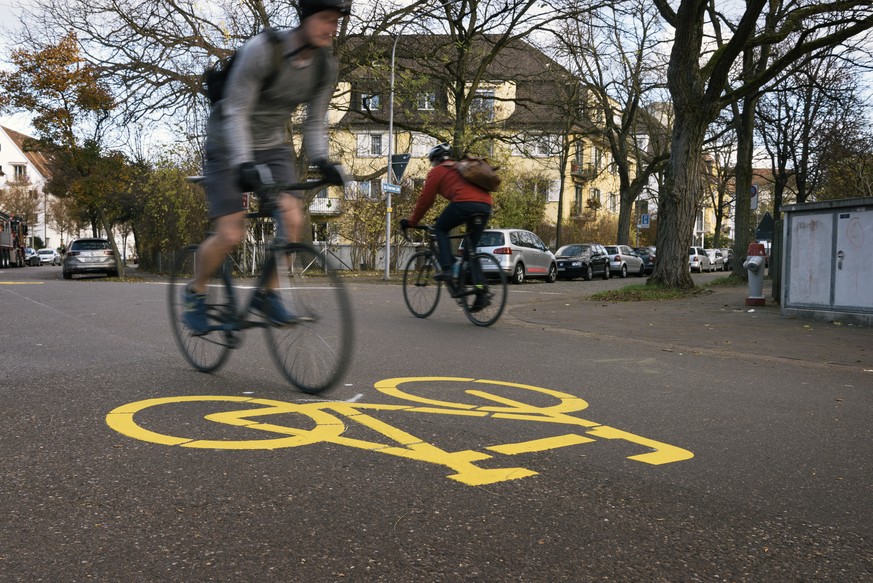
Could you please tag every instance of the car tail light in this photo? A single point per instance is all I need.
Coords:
(617, 258)
(72, 253)
(502, 251)
(109, 252)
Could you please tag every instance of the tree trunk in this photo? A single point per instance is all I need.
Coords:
(677, 203)
(743, 211)
(119, 264)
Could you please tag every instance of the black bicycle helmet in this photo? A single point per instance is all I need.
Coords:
(439, 152)
(310, 7)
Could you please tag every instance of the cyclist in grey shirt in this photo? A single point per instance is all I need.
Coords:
(246, 147)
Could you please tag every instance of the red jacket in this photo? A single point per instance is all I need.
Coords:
(448, 182)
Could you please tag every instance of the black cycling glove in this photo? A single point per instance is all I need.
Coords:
(253, 177)
(332, 173)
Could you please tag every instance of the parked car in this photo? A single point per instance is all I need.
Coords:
(624, 260)
(728, 256)
(583, 260)
(521, 254)
(31, 257)
(647, 254)
(49, 256)
(90, 256)
(698, 260)
(716, 259)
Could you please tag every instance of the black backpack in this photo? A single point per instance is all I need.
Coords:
(215, 76)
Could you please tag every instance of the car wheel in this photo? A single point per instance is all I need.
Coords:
(553, 274)
(606, 273)
(67, 274)
(518, 274)
(623, 273)
(112, 274)
(589, 274)
(642, 272)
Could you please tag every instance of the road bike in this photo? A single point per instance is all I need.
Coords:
(313, 350)
(479, 287)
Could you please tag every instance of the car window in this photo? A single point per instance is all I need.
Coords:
(692, 251)
(90, 245)
(515, 239)
(45, 251)
(536, 242)
(569, 250)
(491, 239)
(611, 249)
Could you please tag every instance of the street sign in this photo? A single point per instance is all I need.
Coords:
(398, 165)
(392, 188)
(644, 221)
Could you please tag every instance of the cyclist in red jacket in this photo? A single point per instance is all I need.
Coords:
(465, 200)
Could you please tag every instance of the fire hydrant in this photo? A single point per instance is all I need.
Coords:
(754, 264)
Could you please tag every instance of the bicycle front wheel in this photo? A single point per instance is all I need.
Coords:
(205, 352)
(313, 351)
(421, 291)
(484, 289)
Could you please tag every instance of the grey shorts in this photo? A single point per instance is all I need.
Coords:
(223, 192)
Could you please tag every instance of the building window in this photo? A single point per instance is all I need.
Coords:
(426, 101)
(613, 202)
(580, 153)
(371, 145)
(598, 159)
(366, 189)
(594, 198)
(370, 102)
(577, 201)
(421, 145)
(482, 106)
(19, 172)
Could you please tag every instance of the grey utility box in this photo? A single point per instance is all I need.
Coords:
(827, 271)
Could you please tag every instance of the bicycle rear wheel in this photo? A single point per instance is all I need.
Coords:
(421, 291)
(484, 285)
(314, 351)
(208, 351)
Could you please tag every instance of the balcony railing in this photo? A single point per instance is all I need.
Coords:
(582, 172)
(325, 206)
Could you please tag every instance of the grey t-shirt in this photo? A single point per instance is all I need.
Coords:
(248, 119)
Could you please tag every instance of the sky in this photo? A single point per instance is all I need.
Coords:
(9, 13)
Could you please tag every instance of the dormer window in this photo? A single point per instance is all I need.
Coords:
(426, 101)
(371, 102)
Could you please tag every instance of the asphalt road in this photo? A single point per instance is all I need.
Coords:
(518, 452)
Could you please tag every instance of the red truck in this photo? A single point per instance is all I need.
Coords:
(13, 238)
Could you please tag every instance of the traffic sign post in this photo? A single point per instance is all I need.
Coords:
(398, 165)
(644, 221)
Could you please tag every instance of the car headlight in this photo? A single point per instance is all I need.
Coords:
(577, 264)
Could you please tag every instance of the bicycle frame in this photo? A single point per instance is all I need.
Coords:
(237, 317)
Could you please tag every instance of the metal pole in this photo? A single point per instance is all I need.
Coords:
(390, 173)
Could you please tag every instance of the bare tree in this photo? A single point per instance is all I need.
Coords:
(616, 52)
(798, 120)
(699, 83)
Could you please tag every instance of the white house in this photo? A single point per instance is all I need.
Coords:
(17, 165)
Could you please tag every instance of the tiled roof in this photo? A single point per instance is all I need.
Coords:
(24, 142)
(429, 58)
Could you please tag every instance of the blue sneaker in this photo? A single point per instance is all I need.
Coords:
(269, 305)
(194, 315)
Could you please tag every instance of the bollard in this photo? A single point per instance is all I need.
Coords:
(754, 264)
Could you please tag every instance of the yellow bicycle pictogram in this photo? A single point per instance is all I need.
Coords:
(329, 422)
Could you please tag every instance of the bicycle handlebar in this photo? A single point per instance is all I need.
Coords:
(276, 188)
(427, 228)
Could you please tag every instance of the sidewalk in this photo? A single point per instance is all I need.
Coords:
(719, 321)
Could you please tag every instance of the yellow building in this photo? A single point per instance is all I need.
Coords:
(523, 115)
